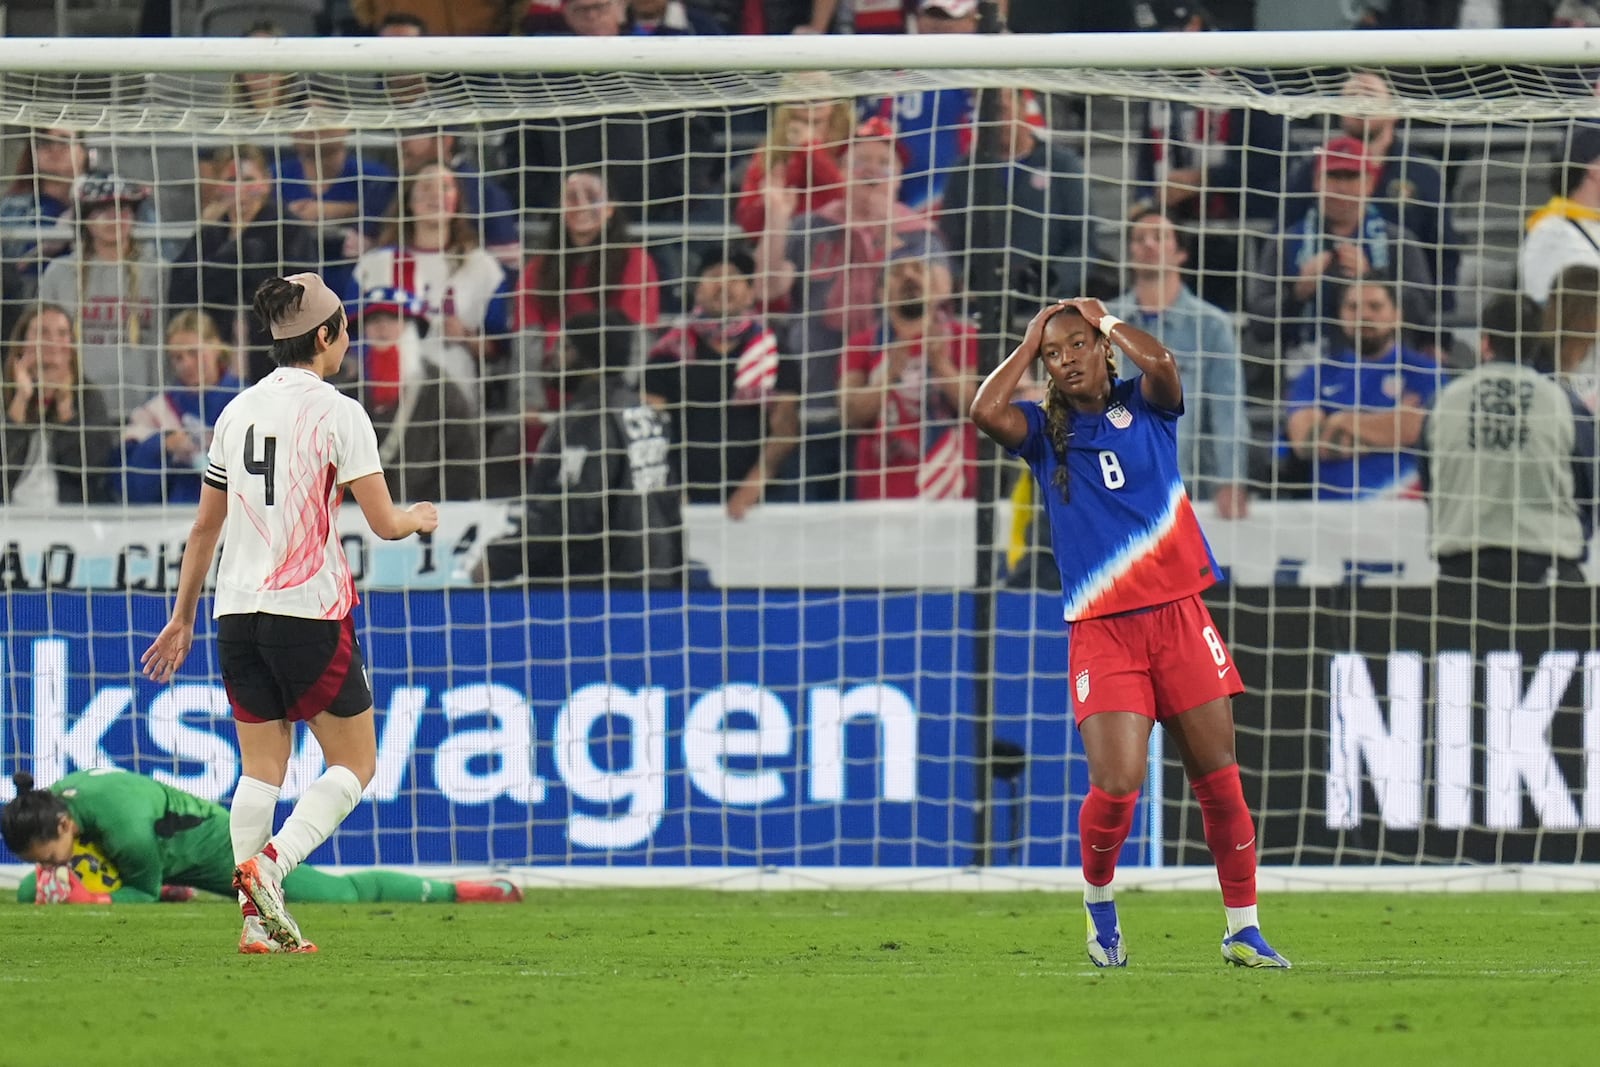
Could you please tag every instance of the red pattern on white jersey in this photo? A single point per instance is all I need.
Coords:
(943, 472)
(757, 370)
(284, 556)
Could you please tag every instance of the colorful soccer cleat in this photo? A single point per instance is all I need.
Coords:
(255, 941)
(1248, 948)
(1105, 936)
(265, 893)
(494, 891)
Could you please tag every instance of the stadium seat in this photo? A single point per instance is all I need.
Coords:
(233, 18)
(97, 18)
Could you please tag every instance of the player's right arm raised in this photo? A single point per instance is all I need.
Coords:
(991, 407)
(389, 520)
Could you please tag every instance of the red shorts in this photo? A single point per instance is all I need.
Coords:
(1158, 663)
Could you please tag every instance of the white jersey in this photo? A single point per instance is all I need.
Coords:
(283, 450)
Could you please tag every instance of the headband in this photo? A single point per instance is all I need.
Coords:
(317, 305)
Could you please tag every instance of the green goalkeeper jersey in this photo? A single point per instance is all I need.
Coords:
(153, 833)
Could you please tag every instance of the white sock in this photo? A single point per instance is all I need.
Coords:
(1240, 918)
(315, 817)
(1098, 894)
(250, 818)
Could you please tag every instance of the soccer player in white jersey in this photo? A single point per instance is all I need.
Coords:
(282, 454)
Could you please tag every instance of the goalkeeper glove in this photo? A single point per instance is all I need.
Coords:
(60, 885)
(176, 894)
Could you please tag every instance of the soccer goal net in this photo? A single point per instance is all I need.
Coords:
(681, 335)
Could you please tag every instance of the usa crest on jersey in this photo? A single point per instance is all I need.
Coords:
(1120, 416)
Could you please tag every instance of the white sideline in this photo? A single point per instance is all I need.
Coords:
(1529, 878)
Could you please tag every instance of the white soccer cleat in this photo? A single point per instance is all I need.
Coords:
(1106, 948)
(264, 892)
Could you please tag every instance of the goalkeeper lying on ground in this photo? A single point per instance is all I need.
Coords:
(105, 836)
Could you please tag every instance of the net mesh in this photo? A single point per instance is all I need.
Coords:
(207, 103)
(744, 608)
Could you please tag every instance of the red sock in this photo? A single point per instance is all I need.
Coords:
(1230, 833)
(1103, 825)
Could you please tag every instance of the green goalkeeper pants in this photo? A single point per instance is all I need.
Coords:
(307, 885)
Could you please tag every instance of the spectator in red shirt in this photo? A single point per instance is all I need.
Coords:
(906, 386)
(589, 263)
(800, 165)
(827, 269)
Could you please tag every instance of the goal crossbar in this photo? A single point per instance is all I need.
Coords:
(128, 86)
(1107, 51)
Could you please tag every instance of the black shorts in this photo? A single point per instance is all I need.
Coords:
(280, 667)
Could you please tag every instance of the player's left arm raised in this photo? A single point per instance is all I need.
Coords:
(1161, 385)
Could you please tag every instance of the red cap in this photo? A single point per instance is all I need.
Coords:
(1346, 155)
(878, 128)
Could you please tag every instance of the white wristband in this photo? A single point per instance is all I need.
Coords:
(1107, 324)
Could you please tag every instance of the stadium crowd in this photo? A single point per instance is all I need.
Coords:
(807, 330)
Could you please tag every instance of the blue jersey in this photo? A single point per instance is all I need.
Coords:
(933, 132)
(1347, 382)
(1126, 538)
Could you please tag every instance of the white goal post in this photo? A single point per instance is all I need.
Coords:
(848, 685)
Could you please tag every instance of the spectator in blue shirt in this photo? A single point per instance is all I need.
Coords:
(39, 199)
(165, 442)
(1214, 438)
(326, 185)
(241, 241)
(933, 127)
(1355, 418)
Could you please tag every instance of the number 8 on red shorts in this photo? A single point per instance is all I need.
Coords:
(1160, 662)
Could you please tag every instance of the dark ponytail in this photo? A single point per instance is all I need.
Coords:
(33, 817)
(279, 298)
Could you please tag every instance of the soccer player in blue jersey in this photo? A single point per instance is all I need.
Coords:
(1142, 647)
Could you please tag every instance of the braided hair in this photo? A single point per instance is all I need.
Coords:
(1058, 417)
(33, 817)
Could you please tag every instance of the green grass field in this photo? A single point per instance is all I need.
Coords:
(687, 977)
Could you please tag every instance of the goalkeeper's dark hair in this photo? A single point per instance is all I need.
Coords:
(277, 298)
(1058, 422)
(33, 817)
